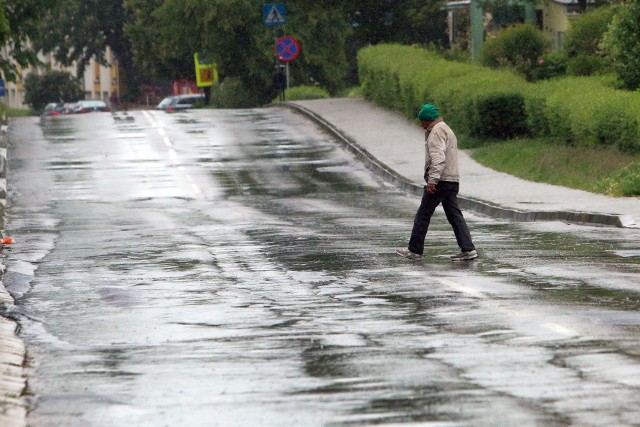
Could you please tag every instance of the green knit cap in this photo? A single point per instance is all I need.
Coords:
(429, 112)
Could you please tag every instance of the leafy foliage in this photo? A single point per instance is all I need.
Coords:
(622, 44)
(518, 47)
(165, 34)
(587, 65)
(582, 43)
(499, 115)
(586, 31)
(55, 86)
(624, 182)
(19, 21)
(552, 64)
(78, 30)
(232, 93)
(579, 111)
(306, 92)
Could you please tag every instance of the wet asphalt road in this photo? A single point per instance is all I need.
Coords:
(237, 268)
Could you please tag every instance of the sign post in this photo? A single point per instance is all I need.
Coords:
(273, 15)
(287, 50)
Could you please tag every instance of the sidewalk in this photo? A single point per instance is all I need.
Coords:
(13, 407)
(394, 147)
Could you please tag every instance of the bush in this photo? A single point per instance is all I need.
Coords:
(584, 111)
(537, 121)
(622, 44)
(518, 47)
(625, 182)
(232, 93)
(551, 65)
(615, 125)
(586, 65)
(403, 78)
(586, 31)
(306, 92)
(478, 101)
(499, 116)
(55, 86)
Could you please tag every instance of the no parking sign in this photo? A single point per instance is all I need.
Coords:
(288, 48)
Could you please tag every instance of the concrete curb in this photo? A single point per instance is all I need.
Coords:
(13, 407)
(484, 207)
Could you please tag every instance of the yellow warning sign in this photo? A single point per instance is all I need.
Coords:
(206, 72)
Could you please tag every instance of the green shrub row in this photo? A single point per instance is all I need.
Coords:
(493, 103)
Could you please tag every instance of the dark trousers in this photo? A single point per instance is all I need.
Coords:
(446, 193)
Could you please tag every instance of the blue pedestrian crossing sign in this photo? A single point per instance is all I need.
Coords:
(273, 14)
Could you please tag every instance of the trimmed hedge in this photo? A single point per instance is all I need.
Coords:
(490, 103)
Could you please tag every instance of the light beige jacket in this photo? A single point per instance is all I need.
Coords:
(441, 161)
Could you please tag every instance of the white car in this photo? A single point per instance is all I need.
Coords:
(180, 102)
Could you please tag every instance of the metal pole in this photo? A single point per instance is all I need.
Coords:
(477, 29)
(287, 65)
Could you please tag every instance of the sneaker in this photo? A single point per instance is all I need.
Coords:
(408, 254)
(465, 256)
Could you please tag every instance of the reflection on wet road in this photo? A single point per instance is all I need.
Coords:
(237, 268)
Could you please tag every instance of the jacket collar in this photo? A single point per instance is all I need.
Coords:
(432, 125)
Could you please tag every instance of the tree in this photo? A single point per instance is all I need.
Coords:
(19, 20)
(55, 86)
(622, 44)
(392, 21)
(148, 48)
(78, 30)
(165, 35)
(322, 32)
(230, 32)
(401, 21)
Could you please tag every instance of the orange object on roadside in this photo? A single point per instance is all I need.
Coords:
(7, 240)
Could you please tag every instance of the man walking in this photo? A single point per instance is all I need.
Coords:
(442, 177)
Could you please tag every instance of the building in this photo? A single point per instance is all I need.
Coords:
(98, 81)
(552, 17)
(556, 16)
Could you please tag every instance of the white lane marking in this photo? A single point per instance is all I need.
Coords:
(196, 188)
(172, 153)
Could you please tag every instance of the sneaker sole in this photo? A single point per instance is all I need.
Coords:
(409, 258)
(464, 259)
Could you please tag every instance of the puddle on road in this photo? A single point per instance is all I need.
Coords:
(627, 253)
(70, 165)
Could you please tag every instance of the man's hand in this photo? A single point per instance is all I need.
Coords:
(431, 188)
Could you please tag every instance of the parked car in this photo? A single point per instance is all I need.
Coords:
(69, 107)
(87, 106)
(53, 109)
(180, 102)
